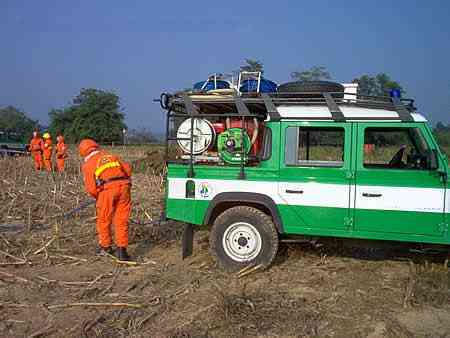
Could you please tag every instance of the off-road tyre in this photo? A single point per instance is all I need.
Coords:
(312, 87)
(259, 221)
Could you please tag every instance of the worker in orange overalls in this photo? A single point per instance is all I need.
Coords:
(61, 153)
(36, 147)
(47, 151)
(108, 179)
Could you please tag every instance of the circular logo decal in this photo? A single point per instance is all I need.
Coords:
(205, 190)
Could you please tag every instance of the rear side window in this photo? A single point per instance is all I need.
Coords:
(315, 146)
(395, 148)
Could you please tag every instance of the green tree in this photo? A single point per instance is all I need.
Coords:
(315, 73)
(13, 120)
(252, 65)
(94, 113)
(378, 85)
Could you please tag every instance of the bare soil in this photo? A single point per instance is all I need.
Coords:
(53, 285)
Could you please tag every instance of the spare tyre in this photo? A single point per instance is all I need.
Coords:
(313, 87)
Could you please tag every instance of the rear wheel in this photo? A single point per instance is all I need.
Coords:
(243, 236)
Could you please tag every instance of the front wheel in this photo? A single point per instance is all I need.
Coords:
(243, 236)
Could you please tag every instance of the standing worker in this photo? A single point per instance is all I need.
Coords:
(47, 151)
(108, 180)
(36, 147)
(61, 153)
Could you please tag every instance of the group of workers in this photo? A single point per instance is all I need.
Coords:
(106, 178)
(41, 149)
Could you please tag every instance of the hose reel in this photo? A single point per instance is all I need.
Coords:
(233, 146)
(203, 135)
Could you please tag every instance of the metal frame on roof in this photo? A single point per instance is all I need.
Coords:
(265, 104)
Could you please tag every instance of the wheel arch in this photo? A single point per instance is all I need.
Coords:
(227, 200)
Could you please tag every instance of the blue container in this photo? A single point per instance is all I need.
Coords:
(209, 85)
(251, 86)
(395, 93)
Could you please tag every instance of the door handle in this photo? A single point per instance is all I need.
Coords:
(288, 191)
(371, 195)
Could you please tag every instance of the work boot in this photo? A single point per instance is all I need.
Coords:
(102, 251)
(122, 254)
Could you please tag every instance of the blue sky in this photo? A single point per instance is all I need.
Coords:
(51, 49)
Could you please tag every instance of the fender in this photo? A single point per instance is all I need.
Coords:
(246, 197)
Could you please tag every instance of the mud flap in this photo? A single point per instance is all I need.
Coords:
(187, 241)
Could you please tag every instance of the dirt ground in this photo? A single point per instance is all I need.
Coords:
(52, 284)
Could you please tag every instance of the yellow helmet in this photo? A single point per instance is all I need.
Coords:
(46, 135)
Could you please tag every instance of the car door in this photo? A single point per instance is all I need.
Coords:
(315, 176)
(396, 190)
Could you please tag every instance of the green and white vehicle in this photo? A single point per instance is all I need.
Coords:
(322, 163)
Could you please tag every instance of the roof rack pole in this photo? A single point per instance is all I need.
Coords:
(240, 105)
(335, 111)
(272, 111)
(403, 113)
(190, 109)
(241, 171)
(166, 160)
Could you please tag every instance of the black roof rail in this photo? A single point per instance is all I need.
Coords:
(258, 104)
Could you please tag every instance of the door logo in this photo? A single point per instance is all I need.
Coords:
(205, 190)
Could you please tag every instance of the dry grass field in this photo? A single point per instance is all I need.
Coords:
(52, 284)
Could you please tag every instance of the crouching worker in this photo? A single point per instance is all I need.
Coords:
(107, 179)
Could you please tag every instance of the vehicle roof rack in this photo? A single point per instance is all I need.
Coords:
(267, 104)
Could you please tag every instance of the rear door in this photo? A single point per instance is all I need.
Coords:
(315, 176)
(396, 191)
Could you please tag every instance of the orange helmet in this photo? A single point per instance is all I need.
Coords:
(87, 146)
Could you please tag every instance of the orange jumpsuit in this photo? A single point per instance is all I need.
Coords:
(107, 179)
(47, 153)
(61, 154)
(36, 147)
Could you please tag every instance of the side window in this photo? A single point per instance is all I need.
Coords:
(395, 148)
(315, 146)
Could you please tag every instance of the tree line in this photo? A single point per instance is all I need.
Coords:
(98, 113)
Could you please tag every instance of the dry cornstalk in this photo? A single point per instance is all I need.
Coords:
(63, 282)
(20, 279)
(13, 257)
(244, 269)
(249, 271)
(14, 263)
(37, 252)
(60, 306)
(46, 330)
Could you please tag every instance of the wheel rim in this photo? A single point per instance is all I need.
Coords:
(242, 242)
